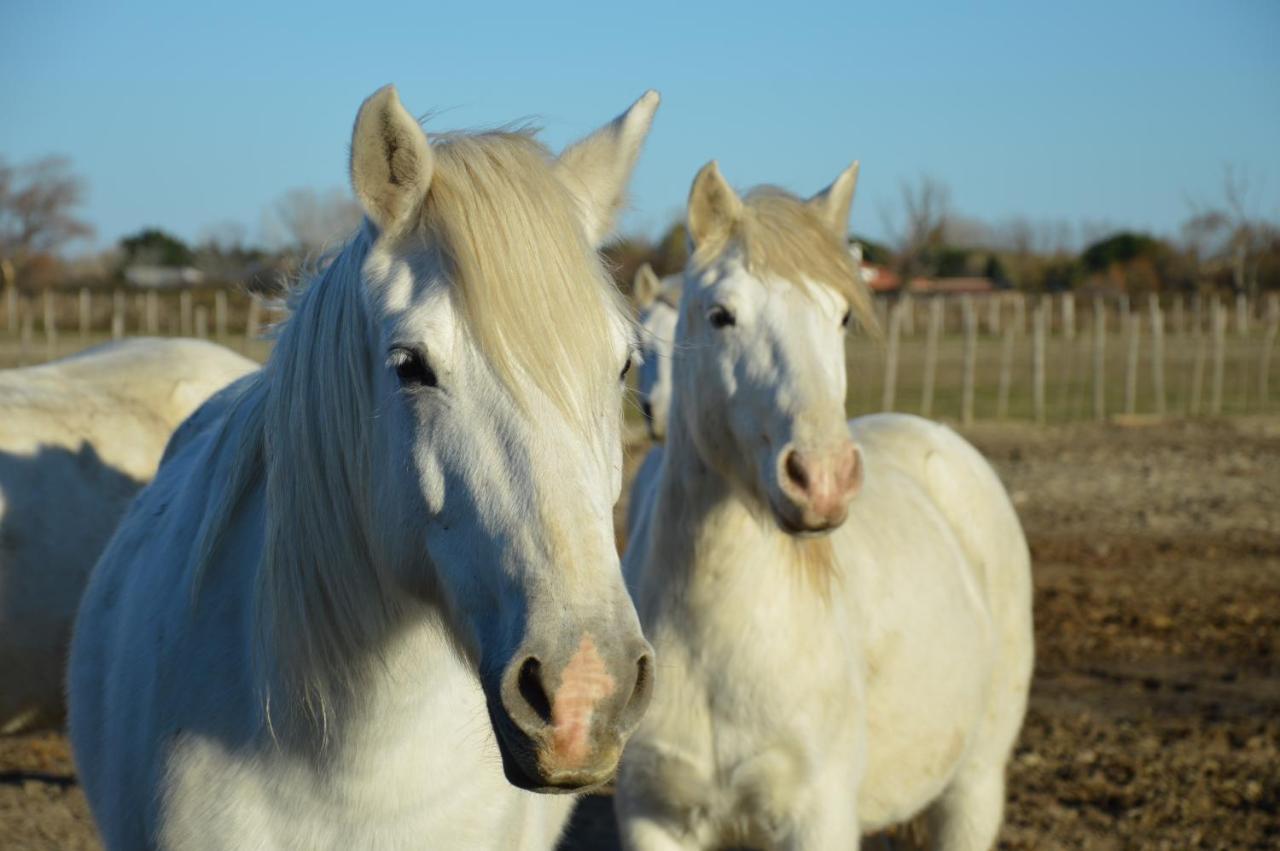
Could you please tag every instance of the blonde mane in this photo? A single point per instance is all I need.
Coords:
(533, 293)
(782, 236)
(816, 558)
(530, 287)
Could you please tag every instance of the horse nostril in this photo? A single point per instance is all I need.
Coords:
(640, 693)
(529, 684)
(796, 471)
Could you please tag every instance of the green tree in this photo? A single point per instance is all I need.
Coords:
(874, 252)
(154, 247)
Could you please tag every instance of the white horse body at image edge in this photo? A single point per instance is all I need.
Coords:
(78, 438)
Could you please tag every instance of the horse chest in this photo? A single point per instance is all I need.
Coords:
(401, 796)
(757, 695)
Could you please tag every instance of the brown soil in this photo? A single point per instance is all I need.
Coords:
(1155, 712)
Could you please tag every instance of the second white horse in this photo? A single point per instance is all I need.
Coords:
(827, 665)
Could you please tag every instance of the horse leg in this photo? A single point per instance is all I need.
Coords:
(968, 814)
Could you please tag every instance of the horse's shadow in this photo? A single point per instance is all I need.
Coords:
(60, 507)
(30, 485)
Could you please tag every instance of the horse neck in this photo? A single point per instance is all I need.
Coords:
(696, 507)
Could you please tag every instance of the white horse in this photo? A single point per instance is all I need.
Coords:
(657, 303)
(383, 576)
(827, 665)
(78, 438)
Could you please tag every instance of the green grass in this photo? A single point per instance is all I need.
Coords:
(1069, 377)
(1068, 374)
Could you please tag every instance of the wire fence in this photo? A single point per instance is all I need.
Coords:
(1044, 359)
(54, 323)
(1064, 358)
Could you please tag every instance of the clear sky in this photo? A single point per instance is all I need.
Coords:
(185, 115)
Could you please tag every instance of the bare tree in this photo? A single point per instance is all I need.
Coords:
(225, 237)
(966, 231)
(925, 208)
(306, 222)
(1231, 233)
(38, 202)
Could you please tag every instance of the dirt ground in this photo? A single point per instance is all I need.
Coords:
(1155, 712)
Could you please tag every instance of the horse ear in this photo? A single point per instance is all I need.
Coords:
(391, 162)
(834, 202)
(713, 206)
(646, 287)
(597, 169)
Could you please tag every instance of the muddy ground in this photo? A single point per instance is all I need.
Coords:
(1155, 713)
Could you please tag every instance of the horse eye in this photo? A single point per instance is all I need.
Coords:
(626, 367)
(411, 368)
(721, 317)
(844, 321)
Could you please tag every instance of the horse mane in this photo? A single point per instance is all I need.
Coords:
(782, 236)
(532, 292)
(816, 558)
(531, 288)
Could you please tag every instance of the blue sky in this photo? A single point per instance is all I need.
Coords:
(187, 115)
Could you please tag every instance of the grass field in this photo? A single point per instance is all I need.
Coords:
(1068, 374)
(1068, 377)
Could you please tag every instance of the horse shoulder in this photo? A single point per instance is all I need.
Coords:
(136, 622)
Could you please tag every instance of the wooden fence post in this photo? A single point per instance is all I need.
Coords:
(28, 332)
(1040, 320)
(1242, 314)
(1131, 364)
(908, 314)
(1006, 370)
(184, 313)
(153, 313)
(1218, 319)
(220, 313)
(1099, 358)
(117, 315)
(931, 355)
(202, 322)
(10, 296)
(1069, 316)
(11, 309)
(1179, 316)
(86, 313)
(1157, 354)
(891, 358)
(50, 325)
(970, 315)
(993, 314)
(1020, 312)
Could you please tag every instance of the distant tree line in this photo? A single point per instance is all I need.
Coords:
(1224, 245)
